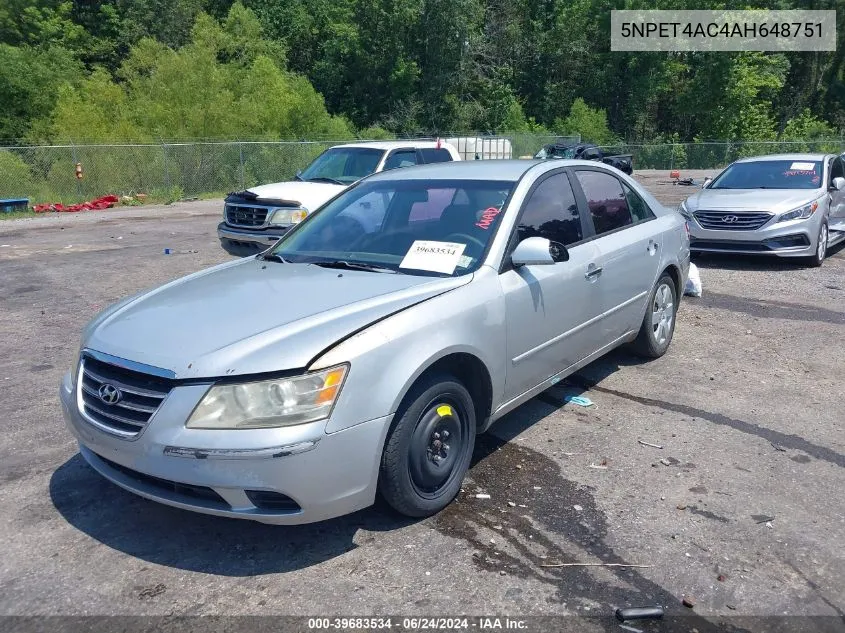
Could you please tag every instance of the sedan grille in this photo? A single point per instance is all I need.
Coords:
(727, 221)
(251, 217)
(118, 400)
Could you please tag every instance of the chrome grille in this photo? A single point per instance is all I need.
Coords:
(240, 215)
(728, 221)
(140, 396)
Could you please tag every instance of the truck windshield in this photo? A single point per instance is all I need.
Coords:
(771, 174)
(415, 227)
(343, 165)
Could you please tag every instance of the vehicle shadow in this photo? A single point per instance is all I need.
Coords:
(756, 262)
(196, 542)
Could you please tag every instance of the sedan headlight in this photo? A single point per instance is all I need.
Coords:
(803, 213)
(682, 209)
(270, 403)
(285, 217)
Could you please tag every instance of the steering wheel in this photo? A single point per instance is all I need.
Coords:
(465, 237)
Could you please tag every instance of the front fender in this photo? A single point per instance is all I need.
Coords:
(388, 357)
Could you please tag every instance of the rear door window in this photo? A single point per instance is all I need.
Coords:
(606, 201)
(640, 211)
(435, 155)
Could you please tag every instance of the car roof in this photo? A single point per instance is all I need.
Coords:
(512, 169)
(385, 145)
(508, 170)
(755, 159)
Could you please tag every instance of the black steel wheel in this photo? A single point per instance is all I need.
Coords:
(429, 447)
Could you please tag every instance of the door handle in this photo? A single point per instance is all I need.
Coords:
(594, 271)
(652, 244)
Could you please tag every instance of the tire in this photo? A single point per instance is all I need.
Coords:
(654, 338)
(421, 470)
(817, 259)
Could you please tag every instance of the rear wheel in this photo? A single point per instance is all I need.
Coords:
(429, 448)
(658, 325)
(817, 259)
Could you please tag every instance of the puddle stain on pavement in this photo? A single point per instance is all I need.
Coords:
(549, 530)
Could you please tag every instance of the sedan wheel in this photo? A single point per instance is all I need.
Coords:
(658, 325)
(821, 247)
(662, 313)
(429, 447)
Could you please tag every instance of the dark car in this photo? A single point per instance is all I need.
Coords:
(588, 151)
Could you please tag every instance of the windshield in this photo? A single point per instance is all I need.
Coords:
(771, 174)
(416, 227)
(343, 165)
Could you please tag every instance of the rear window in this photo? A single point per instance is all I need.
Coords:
(434, 155)
(771, 174)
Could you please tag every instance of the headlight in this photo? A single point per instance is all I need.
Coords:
(682, 209)
(803, 213)
(270, 403)
(285, 217)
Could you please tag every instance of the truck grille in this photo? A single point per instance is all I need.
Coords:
(250, 217)
(727, 221)
(118, 400)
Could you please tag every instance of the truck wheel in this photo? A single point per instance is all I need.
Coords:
(658, 325)
(429, 447)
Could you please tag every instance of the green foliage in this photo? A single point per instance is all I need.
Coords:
(590, 123)
(215, 68)
(807, 127)
(376, 133)
(16, 178)
(29, 78)
(236, 76)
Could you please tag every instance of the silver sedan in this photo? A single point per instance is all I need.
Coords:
(365, 351)
(790, 205)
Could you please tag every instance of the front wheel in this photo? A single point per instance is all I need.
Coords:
(658, 325)
(429, 447)
(817, 259)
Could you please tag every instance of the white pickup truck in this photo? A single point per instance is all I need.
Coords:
(255, 219)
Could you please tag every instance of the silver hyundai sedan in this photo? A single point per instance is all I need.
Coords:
(364, 352)
(790, 205)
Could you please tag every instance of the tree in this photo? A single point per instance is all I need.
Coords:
(590, 123)
(235, 74)
(29, 79)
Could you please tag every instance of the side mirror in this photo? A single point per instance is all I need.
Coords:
(838, 184)
(707, 181)
(538, 251)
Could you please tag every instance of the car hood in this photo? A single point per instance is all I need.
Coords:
(309, 194)
(774, 200)
(251, 316)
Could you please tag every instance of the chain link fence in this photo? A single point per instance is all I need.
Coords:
(173, 171)
(715, 155)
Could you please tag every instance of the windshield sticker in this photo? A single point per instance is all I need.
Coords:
(465, 261)
(488, 217)
(438, 257)
(802, 167)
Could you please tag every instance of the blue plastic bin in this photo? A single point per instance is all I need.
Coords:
(11, 205)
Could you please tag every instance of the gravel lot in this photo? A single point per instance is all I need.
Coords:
(745, 512)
